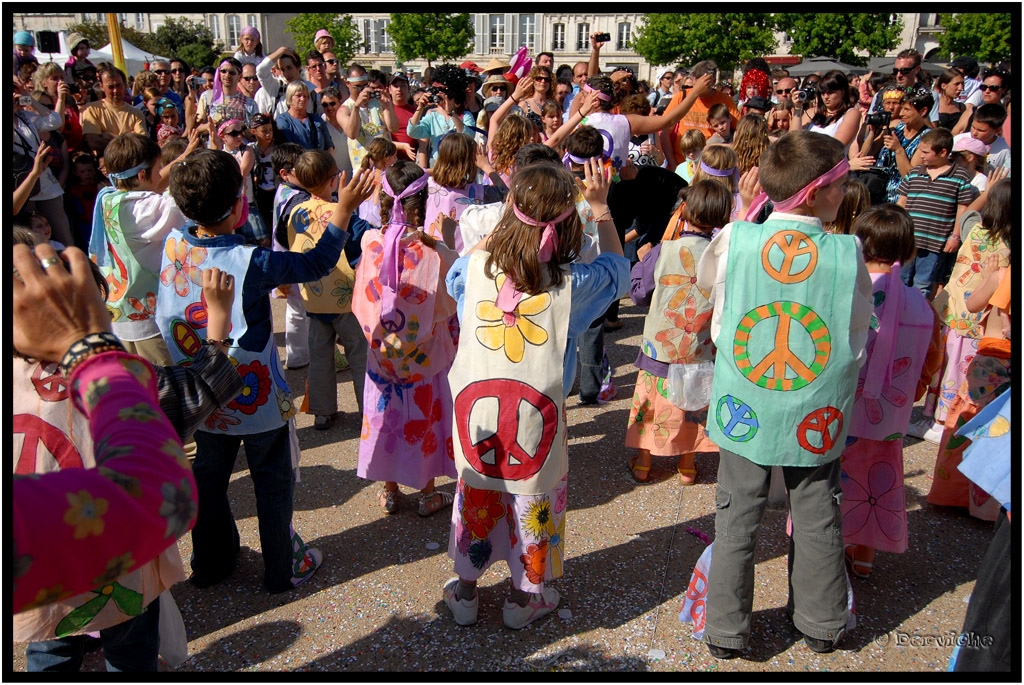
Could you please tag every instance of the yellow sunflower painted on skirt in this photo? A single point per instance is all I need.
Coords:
(511, 331)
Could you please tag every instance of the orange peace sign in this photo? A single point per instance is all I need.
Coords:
(771, 371)
(794, 250)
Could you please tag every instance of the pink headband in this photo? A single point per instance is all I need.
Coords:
(600, 96)
(800, 197)
(391, 264)
(509, 296)
(224, 124)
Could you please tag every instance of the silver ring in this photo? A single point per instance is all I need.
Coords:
(49, 261)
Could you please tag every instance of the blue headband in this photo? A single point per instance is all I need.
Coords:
(128, 173)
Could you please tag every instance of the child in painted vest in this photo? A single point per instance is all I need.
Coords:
(452, 187)
(129, 626)
(978, 362)
(259, 416)
(904, 350)
(676, 331)
(289, 195)
(130, 222)
(522, 302)
(409, 320)
(328, 299)
(795, 317)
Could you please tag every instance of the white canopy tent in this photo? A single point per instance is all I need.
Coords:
(134, 59)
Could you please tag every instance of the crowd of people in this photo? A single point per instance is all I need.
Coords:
(813, 258)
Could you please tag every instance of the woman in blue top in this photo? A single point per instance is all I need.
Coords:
(448, 114)
(297, 126)
(899, 155)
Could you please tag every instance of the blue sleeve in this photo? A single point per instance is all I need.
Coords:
(357, 226)
(280, 268)
(420, 130)
(594, 287)
(455, 282)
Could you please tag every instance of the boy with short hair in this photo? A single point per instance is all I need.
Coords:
(720, 120)
(935, 193)
(289, 195)
(795, 316)
(987, 127)
(130, 221)
(209, 191)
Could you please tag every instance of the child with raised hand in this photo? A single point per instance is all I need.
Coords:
(452, 185)
(522, 302)
(790, 330)
(409, 321)
(207, 188)
(904, 350)
(676, 331)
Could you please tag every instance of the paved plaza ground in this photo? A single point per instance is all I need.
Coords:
(375, 605)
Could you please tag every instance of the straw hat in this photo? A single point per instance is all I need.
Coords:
(74, 39)
(497, 64)
(493, 80)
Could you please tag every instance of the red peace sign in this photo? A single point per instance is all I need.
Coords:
(820, 422)
(792, 245)
(509, 461)
(49, 384)
(37, 431)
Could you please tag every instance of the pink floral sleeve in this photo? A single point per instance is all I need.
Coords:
(75, 529)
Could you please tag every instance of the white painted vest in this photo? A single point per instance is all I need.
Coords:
(678, 325)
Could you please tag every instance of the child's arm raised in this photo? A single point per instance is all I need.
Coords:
(598, 183)
(641, 125)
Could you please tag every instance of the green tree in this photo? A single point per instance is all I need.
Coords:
(431, 36)
(188, 40)
(347, 39)
(98, 36)
(988, 37)
(840, 36)
(94, 32)
(728, 38)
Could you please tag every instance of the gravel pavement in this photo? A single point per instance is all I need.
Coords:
(375, 604)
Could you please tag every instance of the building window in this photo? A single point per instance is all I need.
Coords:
(527, 31)
(558, 37)
(234, 30)
(383, 39)
(624, 35)
(582, 37)
(140, 22)
(497, 33)
(122, 19)
(251, 20)
(215, 26)
(367, 36)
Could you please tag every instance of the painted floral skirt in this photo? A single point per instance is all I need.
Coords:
(958, 352)
(407, 431)
(874, 508)
(657, 425)
(525, 531)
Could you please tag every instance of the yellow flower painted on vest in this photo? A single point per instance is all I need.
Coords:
(513, 330)
(85, 514)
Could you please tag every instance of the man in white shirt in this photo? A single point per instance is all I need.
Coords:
(270, 98)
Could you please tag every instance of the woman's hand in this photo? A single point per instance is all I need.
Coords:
(860, 163)
(524, 88)
(591, 102)
(57, 305)
(482, 162)
(891, 142)
(702, 85)
(41, 160)
(997, 174)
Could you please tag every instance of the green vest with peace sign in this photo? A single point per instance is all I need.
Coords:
(785, 375)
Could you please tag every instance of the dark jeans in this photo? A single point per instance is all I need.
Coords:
(129, 646)
(215, 540)
(591, 351)
(989, 615)
(927, 268)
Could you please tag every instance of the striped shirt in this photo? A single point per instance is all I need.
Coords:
(932, 204)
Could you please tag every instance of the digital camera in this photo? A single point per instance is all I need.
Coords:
(878, 119)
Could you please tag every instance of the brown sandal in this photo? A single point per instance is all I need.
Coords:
(434, 502)
(388, 500)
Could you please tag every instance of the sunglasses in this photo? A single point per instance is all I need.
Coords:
(228, 72)
(177, 71)
(331, 61)
(327, 103)
(903, 72)
(783, 91)
(666, 78)
(984, 87)
(499, 87)
(161, 72)
(542, 78)
(233, 133)
(250, 78)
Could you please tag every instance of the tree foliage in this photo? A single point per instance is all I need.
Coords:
(431, 36)
(189, 41)
(987, 37)
(728, 38)
(343, 28)
(840, 36)
(98, 36)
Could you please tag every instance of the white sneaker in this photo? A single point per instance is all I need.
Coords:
(919, 428)
(464, 610)
(934, 433)
(540, 604)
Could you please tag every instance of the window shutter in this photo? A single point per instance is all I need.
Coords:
(378, 34)
(511, 31)
(480, 34)
(538, 35)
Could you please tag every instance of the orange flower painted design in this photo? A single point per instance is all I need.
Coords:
(688, 327)
(686, 281)
(535, 561)
(184, 266)
(481, 510)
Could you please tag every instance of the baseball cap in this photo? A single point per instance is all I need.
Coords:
(398, 75)
(967, 142)
(259, 120)
(492, 103)
(965, 63)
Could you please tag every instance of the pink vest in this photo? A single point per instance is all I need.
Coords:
(901, 328)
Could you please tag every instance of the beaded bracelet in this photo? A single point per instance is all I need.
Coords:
(94, 343)
(226, 342)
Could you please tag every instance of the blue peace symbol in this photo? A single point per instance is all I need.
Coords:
(739, 414)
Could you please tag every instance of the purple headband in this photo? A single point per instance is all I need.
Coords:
(568, 159)
(606, 152)
(721, 173)
(391, 264)
(218, 89)
(250, 31)
(800, 197)
(509, 296)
